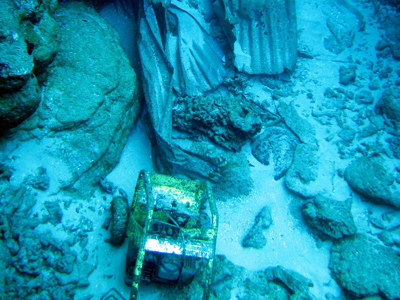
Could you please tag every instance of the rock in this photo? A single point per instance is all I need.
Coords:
(119, 221)
(255, 238)
(374, 85)
(364, 97)
(329, 216)
(343, 35)
(367, 131)
(389, 104)
(5, 169)
(297, 284)
(382, 44)
(363, 267)
(334, 98)
(369, 177)
(347, 134)
(228, 122)
(394, 146)
(388, 221)
(44, 40)
(279, 142)
(378, 121)
(300, 127)
(305, 177)
(40, 180)
(384, 72)
(55, 213)
(17, 106)
(332, 44)
(347, 75)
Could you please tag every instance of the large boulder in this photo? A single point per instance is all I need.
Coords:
(370, 177)
(89, 103)
(364, 267)
(330, 217)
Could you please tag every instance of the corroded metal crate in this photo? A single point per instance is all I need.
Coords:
(172, 231)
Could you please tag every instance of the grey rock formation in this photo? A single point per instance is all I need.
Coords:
(278, 142)
(330, 217)
(263, 35)
(363, 267)
(389, 104)
(369, 177)
(229, 122)
(255, 238)
(89, 101)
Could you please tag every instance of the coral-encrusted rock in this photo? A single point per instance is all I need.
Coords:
(364, 267)
(369, 177)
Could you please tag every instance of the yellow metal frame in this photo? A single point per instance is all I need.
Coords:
(188, 194)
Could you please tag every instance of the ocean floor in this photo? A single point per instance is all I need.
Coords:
(290, 242)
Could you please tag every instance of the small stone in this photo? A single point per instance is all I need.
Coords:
(347, 75)
(364, 97)
(374, 85)
(347, 134)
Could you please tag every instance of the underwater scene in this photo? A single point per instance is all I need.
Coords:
(199, 149)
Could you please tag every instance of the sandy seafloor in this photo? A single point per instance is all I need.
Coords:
(289, 242)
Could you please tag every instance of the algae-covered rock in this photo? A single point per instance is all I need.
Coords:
(329, 216)
(278, 142)
(229, 122)
(363, 267)
(369, 177)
